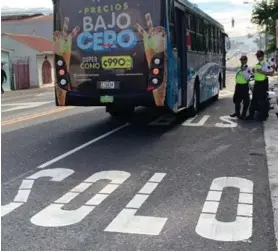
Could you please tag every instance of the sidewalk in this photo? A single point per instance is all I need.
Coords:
(37, 90)
(271, 142)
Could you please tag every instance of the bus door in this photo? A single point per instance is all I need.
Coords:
(180, 26)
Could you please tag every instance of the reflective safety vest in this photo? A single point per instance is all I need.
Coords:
(240, 78)
(259, 76)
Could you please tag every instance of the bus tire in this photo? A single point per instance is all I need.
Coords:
(220, 82)
(196, 100)
(123, 112)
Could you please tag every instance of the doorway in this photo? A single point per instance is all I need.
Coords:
(46, 71)
(180, 26)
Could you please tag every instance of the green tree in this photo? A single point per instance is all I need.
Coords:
(264, 14)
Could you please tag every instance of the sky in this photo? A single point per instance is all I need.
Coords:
(222, 10)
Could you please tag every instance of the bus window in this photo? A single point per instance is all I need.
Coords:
(214, 40)
(210, 39)
(206, 40)
(193, 32)
(171, 11)
(201, 35)
(171, 23)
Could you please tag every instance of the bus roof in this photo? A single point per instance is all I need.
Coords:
(195, 8)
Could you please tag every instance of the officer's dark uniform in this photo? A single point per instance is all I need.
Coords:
(241, 93)
(259, 98)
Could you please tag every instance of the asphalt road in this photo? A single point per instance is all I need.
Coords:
(75, 179)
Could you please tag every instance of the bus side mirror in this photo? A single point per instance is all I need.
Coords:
(227, 42)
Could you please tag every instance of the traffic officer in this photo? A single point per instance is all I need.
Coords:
(260, 96)
(241, 94)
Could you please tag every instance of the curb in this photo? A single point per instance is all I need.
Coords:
(271, 148)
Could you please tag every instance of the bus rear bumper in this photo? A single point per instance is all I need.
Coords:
(81, 99)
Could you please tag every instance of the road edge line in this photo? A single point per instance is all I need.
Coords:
(80, 147)
(271, 149)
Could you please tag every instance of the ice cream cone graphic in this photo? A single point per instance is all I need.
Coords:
(61, 95)
(154, 43)
(63, 42)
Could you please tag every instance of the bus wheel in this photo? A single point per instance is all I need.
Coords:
(196, 102)
(220, 82)
(117, 111)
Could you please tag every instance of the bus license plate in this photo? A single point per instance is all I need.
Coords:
(106, 99)
(107, 85)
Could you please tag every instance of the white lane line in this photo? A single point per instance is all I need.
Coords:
(148, 188)
(54, 160)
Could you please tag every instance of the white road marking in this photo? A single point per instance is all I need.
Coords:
(203, 120)
(81, 187)
(20, 106)
(82, 146)
(97, 199)
(137, 201)
(22, 195)
(157, 177)
(240, 229)
(148, 188)
(225, 93)
(127, 222)
(54, 216)
(9, 208)
(67, 198)
(58, 174)
(228, 123)
(27, 184)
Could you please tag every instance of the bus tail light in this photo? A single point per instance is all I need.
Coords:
(156, 73)
(62, 75)
(157, 61)
(63, 82)
(62, 72)
(155, 81)
(60, 63)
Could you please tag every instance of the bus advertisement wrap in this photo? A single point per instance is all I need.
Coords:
(114, 42)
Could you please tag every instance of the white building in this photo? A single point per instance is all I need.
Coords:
(32, 60)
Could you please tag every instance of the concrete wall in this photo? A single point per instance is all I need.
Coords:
(20, 50)
(40, 60)
(5, 58)
(41, 28)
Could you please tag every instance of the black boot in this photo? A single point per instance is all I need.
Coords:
(235, 115)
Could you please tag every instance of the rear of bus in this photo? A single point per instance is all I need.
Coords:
(110, 53)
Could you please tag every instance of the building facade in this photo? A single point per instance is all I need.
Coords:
(23, 58)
